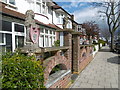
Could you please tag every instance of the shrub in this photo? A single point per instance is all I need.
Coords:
(57, 43)
(102, 41)
(21, 72)
(94, 48)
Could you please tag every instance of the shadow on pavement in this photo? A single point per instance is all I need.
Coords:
(114, 60)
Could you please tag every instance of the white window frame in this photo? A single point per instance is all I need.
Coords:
(4, 43)
(49, 36)
(14, 33)
(41, 9)
(8, 2)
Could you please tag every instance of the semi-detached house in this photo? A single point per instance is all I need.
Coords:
(48, 15)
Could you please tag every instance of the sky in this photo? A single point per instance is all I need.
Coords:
(83, 11)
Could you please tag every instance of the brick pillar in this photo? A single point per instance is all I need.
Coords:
(68, 42)
(76, 53)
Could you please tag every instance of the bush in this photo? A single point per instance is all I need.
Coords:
(57, 43)
(21, 72)
(94, 48)
(102, 41)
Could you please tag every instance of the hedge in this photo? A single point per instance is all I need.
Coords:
(21, 72)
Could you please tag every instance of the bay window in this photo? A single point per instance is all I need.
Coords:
(47, 37)
(41, 7)
(38, 6)
(11, 36)
(60, 17)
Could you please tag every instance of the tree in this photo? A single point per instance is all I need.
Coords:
(92, 29)
(112, 14)
(106, 34)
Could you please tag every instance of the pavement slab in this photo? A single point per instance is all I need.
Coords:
(102, 72)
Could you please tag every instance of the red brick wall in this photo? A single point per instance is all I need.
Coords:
(51, 62)
(62, 83)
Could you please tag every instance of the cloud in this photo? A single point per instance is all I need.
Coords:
(72, 4)
(89, 14)
(85, 0)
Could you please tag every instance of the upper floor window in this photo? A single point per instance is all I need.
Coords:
(60, 17)
(41, 7)
(12, 2)
(38, 6)
(9, 1)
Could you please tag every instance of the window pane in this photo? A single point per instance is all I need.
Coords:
(46, 31)
(2, 49)
(38, 7)
(6, 26)
(50, 41)
(43, 9)
(19, 41)
(1, 38)
(8, 42)
(50, 32)
(12, 2)
(46, 41)
(41, 30)
(4, 0)
(19, 28)
(54, 32)
(41, 41)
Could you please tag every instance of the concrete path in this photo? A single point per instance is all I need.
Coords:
(102, 72)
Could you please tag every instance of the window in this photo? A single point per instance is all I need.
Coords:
(9, 31)
(43, 8)
(50, 41)
(12, 2)
(4, 1)
(42, 30)
(68, 25)
(46, 31)
(19, 28)
(6, 26)
(9, 1)
(8, 42)
(1, 38)
(54, 32)
(46, 41)
(50, 32)
(47, 38)
(49, 10)
(19, 41)
(58, 17)
(41, 41)
(38, 6)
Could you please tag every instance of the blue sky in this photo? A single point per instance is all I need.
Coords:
(82, 11)
(74, 6)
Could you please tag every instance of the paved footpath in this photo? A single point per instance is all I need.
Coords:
(102, 72)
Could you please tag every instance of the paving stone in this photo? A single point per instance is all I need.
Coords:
(93, 81)
(85, 85)
(114, 85)
(97, 86)
(100, 73)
